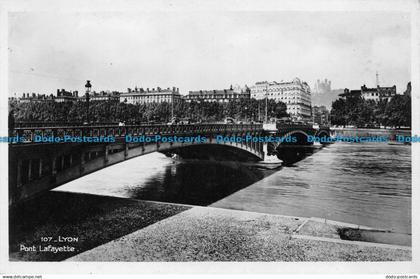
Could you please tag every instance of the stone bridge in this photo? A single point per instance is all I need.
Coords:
(47, 157)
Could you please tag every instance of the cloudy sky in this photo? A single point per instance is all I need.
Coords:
(205, 50)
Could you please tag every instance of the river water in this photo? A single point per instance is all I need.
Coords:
(363, 183)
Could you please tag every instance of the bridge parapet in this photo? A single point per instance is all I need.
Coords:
(29, 133)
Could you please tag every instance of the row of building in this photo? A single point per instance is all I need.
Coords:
(295, 94)
(68, 96)
(375, 94)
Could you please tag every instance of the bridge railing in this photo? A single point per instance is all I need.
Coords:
(34, 124)
(29, 134)
(286, 126)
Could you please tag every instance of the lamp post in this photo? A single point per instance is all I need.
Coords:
(87, 86)
(246, 114)
(266, 102)
(172, 105)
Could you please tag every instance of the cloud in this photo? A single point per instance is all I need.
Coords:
(205, 49)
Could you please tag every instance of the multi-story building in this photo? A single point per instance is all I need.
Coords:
(113, 96)
(375, 94)
(295, 94)
(158, 95)
(347, 94)
(221, 96)
(320, 115)
(62, 96)
(387, 92)
(66, 96)
(26, 98)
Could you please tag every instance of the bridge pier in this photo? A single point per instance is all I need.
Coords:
(40, 168)
(268, 156)
(82, 162)
(106, 150)
(54, 166)
(29, 170)
(61, 162)
(19, 174)
(125, 150)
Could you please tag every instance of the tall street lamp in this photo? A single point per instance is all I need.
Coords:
(88, 87)
(266, 102)
(172, 105)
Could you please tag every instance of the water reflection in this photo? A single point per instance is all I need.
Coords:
(292, 154)
(198, 183)
(366, 183)
(158, 178)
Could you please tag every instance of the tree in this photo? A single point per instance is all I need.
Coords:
(338, 112)
(280, 110)
(398, 111)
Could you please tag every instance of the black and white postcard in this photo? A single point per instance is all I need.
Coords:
(172, 137)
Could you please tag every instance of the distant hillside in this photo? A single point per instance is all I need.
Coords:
(326, 99)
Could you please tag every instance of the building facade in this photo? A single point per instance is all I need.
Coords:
(37, 98)
(295, 94)
(348, 94)
(321, 115)
(105, 96)
(375, 94)
(221, 96)
(66, 96)
(158, 95)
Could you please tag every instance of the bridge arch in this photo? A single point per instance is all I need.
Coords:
(217, 152)
(67, 162)
(299, 133)
(300, 139)
(323, 132)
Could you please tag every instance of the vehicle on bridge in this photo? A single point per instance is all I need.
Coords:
(180, 121)
(229, 120)
(284, 120)
(185, 120)
(173, 121)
